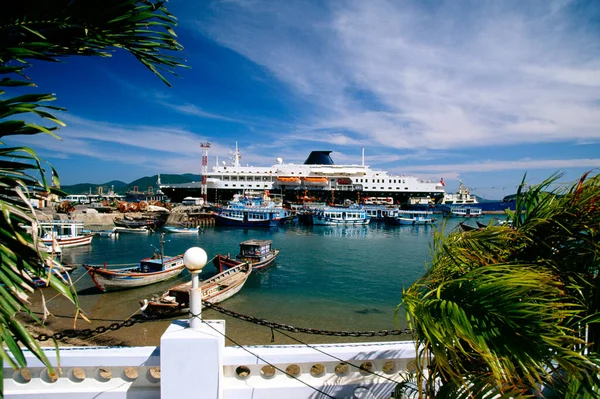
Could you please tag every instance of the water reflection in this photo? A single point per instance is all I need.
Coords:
(341, 231)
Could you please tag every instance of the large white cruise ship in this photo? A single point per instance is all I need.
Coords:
(318, 179)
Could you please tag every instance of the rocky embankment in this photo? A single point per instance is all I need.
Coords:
(94, 220)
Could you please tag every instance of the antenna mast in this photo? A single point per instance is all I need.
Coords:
(204, 189)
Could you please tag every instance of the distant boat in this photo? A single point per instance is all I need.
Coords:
(251, 212)
(152, 223)
(411, 218)
(127, 230)
(149, 271)
(332, 216)
(378, 213)
(461, 211)
(466, 227)
(182, 230)
(67, 233)
(258, 253)
(214, 290)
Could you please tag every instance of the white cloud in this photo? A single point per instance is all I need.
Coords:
(410, 75)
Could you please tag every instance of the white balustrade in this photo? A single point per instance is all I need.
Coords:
(196, 363)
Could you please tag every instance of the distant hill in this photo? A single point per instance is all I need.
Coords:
(122, 187)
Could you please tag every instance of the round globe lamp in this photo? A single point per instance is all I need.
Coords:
(194, 259)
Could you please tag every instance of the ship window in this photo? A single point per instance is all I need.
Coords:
(406, 188)
(225, 177)
(234, 178)
(394, 181)
(233, 185)
(404, 182)
(242, 178)
(226, 185)
(389, 188)
(257, 178)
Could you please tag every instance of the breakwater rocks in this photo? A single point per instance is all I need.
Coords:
(94, 220)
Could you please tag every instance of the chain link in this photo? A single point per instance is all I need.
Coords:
(88, 333)
(287, 327)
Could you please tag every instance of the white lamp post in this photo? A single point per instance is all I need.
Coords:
(194, 259)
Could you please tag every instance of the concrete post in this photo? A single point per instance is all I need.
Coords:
(191, 360)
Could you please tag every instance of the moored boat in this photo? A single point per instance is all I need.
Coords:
(332, 216)
(461, 211)
(149, 271)
(181, 229)
(318, 177)
(151, 223)
(258, 253)
(67, 233)
(214, 290)
(128, 230)
(411, 218)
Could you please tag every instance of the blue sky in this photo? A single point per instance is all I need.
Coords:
(482, 91)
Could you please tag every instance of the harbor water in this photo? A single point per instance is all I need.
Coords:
(339, 278)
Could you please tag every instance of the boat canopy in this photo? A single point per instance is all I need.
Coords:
(319, 158)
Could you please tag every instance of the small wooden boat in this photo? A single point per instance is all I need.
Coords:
(151, 223)
(57, 269)
(127, 230)
(481, 225)
(466, 227)
(185, 230)
(214, 290)
(67, 233)
(257, 253)
(149, 271)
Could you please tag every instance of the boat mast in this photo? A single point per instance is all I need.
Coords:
(363, 156)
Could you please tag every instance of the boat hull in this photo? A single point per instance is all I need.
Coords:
(221, 220)
(119, 279)
(67, 242)
(223, 262)
(214, 290)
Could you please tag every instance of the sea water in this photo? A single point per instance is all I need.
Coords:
(339, 278)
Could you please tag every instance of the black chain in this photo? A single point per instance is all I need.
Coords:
(286, 327)
(88, 333)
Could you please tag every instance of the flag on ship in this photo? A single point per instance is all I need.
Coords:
(442, 181)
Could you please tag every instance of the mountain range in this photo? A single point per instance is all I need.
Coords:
(120, 187)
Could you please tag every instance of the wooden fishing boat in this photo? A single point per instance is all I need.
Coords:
(131, 230)
(149, 271)
(258, 253)
(57, 269)
(466, 227)
(214, 290)
(181, 229)
(67, 233)
(151, 223)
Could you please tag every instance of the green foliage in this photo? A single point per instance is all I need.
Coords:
(513, 311)
(49, 31)
(121, 188)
